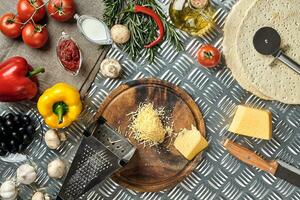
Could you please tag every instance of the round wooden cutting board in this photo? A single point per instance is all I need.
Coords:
(160, 167)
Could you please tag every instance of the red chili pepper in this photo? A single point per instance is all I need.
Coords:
(156, 18)
(17, 80)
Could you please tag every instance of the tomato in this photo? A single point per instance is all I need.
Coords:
(209, 56)
(61, 10)
(26, 9)
(35, 36)
(11, 25)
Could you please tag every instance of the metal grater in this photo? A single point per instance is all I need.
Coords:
(98, 156)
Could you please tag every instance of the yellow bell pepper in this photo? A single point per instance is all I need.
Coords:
(60, 105)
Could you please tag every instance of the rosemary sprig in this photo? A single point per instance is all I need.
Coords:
(143, 28)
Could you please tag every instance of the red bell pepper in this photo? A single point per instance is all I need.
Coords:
(17, 80)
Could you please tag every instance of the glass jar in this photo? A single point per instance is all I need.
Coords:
(193, 16)
(69, 54)
(33, 149)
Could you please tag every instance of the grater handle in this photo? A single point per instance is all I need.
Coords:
(93, 127)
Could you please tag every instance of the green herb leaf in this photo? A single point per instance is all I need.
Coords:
(143, 28)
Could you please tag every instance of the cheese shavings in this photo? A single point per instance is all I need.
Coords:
(147, 126)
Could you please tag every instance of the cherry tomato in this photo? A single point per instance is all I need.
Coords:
(35, 36)
(26, 9)
(61, 10)
(11, 25)
(209, 56)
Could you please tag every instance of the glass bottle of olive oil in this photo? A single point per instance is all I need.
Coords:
(192, 16)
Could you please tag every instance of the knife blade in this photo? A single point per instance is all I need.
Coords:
(277, 168)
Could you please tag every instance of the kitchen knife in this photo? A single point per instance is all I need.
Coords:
(278, 168)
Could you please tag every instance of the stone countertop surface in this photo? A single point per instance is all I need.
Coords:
(46, 56)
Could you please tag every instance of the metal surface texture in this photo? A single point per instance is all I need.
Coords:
(219, 175)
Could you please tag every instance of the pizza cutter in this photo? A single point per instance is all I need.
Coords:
(267, 41)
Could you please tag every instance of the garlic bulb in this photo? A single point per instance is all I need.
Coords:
(120, 34)
(40, 196)
(56, 168)
(110, 68)
(52, 139)
(8, 190)
(26, 174)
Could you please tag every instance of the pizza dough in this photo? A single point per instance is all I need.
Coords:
(233, 21)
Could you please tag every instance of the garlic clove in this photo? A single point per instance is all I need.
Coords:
(56, 169)
(62, 136)
(40, 196)
(52, 139)
(47, 197)
(8, 190)
(26, 174)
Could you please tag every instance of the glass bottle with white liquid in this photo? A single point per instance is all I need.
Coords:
(93, 29)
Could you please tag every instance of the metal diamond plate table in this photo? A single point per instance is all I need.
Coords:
(218, 175)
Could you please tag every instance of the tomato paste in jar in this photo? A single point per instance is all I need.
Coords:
(69, 55)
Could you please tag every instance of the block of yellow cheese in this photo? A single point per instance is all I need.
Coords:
(252, 122)
(190, 142)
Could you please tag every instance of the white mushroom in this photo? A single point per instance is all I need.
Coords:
(26, 174)
(53, 138)
(110, 68)
(40, 196)
(56, 169)
(8, 190)
(120, 34)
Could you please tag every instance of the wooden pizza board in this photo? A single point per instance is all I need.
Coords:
(152, 168)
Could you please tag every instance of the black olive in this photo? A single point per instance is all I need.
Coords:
(3, 152)
(13, 150)
(9, 116)
(9, 122)
(26, 119)
(26, 139)
(3, 135)
(13, 146)
(18, 119)
(2, 123)
(21, 148)
(30, 130)
(3, 146)
(2, 128)
(16, 135)
(21, 130)
(13, 143)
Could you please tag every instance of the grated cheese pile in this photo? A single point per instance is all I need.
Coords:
(147, 126)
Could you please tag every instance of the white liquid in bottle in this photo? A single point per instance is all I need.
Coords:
(94, 29)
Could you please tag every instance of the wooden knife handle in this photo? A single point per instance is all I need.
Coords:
(249, 157)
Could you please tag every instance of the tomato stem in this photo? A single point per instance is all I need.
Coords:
(208, 54)
(36, 9)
